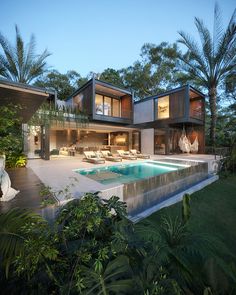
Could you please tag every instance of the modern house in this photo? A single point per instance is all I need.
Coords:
(162, 118)
(152, 125)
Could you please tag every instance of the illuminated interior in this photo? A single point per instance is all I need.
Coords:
(107, 106)
(163, 111)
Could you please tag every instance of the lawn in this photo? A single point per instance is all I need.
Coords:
(213, 211)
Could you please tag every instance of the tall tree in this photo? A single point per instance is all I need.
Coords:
(112, 76)
(64, 84)
(20, 63)
(212, 61)
(155, 72)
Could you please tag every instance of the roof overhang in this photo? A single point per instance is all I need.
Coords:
(30, 98)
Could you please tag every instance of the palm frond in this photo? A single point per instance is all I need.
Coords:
(195, 52)
(11, 235)
(207, 44)
(20, 63)
(217, 28)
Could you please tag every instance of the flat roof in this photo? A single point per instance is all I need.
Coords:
(171, 91)
(102, 83)
(25, 86)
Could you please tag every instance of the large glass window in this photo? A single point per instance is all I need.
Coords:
(107, 106)
(163, 107)
(99, 104)
(159, 141)
(116, 108)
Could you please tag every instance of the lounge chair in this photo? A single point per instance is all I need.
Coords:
(109, 157)
(126, 155)
(139, 155)
(93, 158)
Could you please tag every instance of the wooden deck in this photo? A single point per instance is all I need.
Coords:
(29, 185)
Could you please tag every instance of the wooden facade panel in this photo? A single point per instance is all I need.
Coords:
(126, 107)
(84, 100)
(177, 104)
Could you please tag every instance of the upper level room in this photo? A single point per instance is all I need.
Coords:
(102, 101)
(181, 105)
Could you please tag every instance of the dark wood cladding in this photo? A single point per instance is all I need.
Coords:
(126, 107)
(177, 104)
(29, 102)
(86, 104)
(84, 98)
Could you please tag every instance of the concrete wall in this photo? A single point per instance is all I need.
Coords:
(145, 193)
(147, 141)
(144, 111)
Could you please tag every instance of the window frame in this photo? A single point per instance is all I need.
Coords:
(103, 100)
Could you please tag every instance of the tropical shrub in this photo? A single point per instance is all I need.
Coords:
(11, 140)
(92, 248)
(16, 160)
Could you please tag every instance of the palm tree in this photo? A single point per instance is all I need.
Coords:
(20, 63)
(213, 61)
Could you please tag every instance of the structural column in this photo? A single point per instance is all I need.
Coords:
(45, 142)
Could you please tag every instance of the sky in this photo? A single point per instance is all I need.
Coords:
(94, 35)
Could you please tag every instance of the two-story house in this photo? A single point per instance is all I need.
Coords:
(152, 125)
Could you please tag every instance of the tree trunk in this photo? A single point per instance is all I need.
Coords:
(213, 110)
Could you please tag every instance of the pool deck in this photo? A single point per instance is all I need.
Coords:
(58, 172)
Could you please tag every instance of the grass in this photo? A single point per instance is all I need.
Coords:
(213, 211)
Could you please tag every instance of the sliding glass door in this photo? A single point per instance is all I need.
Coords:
(160, 141)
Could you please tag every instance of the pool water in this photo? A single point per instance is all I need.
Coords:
(125, 173)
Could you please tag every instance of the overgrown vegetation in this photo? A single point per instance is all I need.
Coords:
(10, 136)
(92, 248)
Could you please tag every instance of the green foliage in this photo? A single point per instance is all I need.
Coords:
(113, 278)
(155, 72)
(10, 136)
(49, 114)
(20, 63)
(16, 160)
(212, 62)
(12, 235)
(228, 163)
(64, 84)
(112, 76)
(93, 248)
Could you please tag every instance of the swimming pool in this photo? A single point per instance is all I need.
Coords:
(144, 184)
(126, 173)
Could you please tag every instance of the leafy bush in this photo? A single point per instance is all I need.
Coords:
(11, 140)
(228, 164)
(16, 160)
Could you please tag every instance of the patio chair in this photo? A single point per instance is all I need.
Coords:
(139, 155)
(126, 155)
(109, 157)
(91, 157)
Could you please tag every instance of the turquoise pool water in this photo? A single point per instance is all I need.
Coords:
(125, 173)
